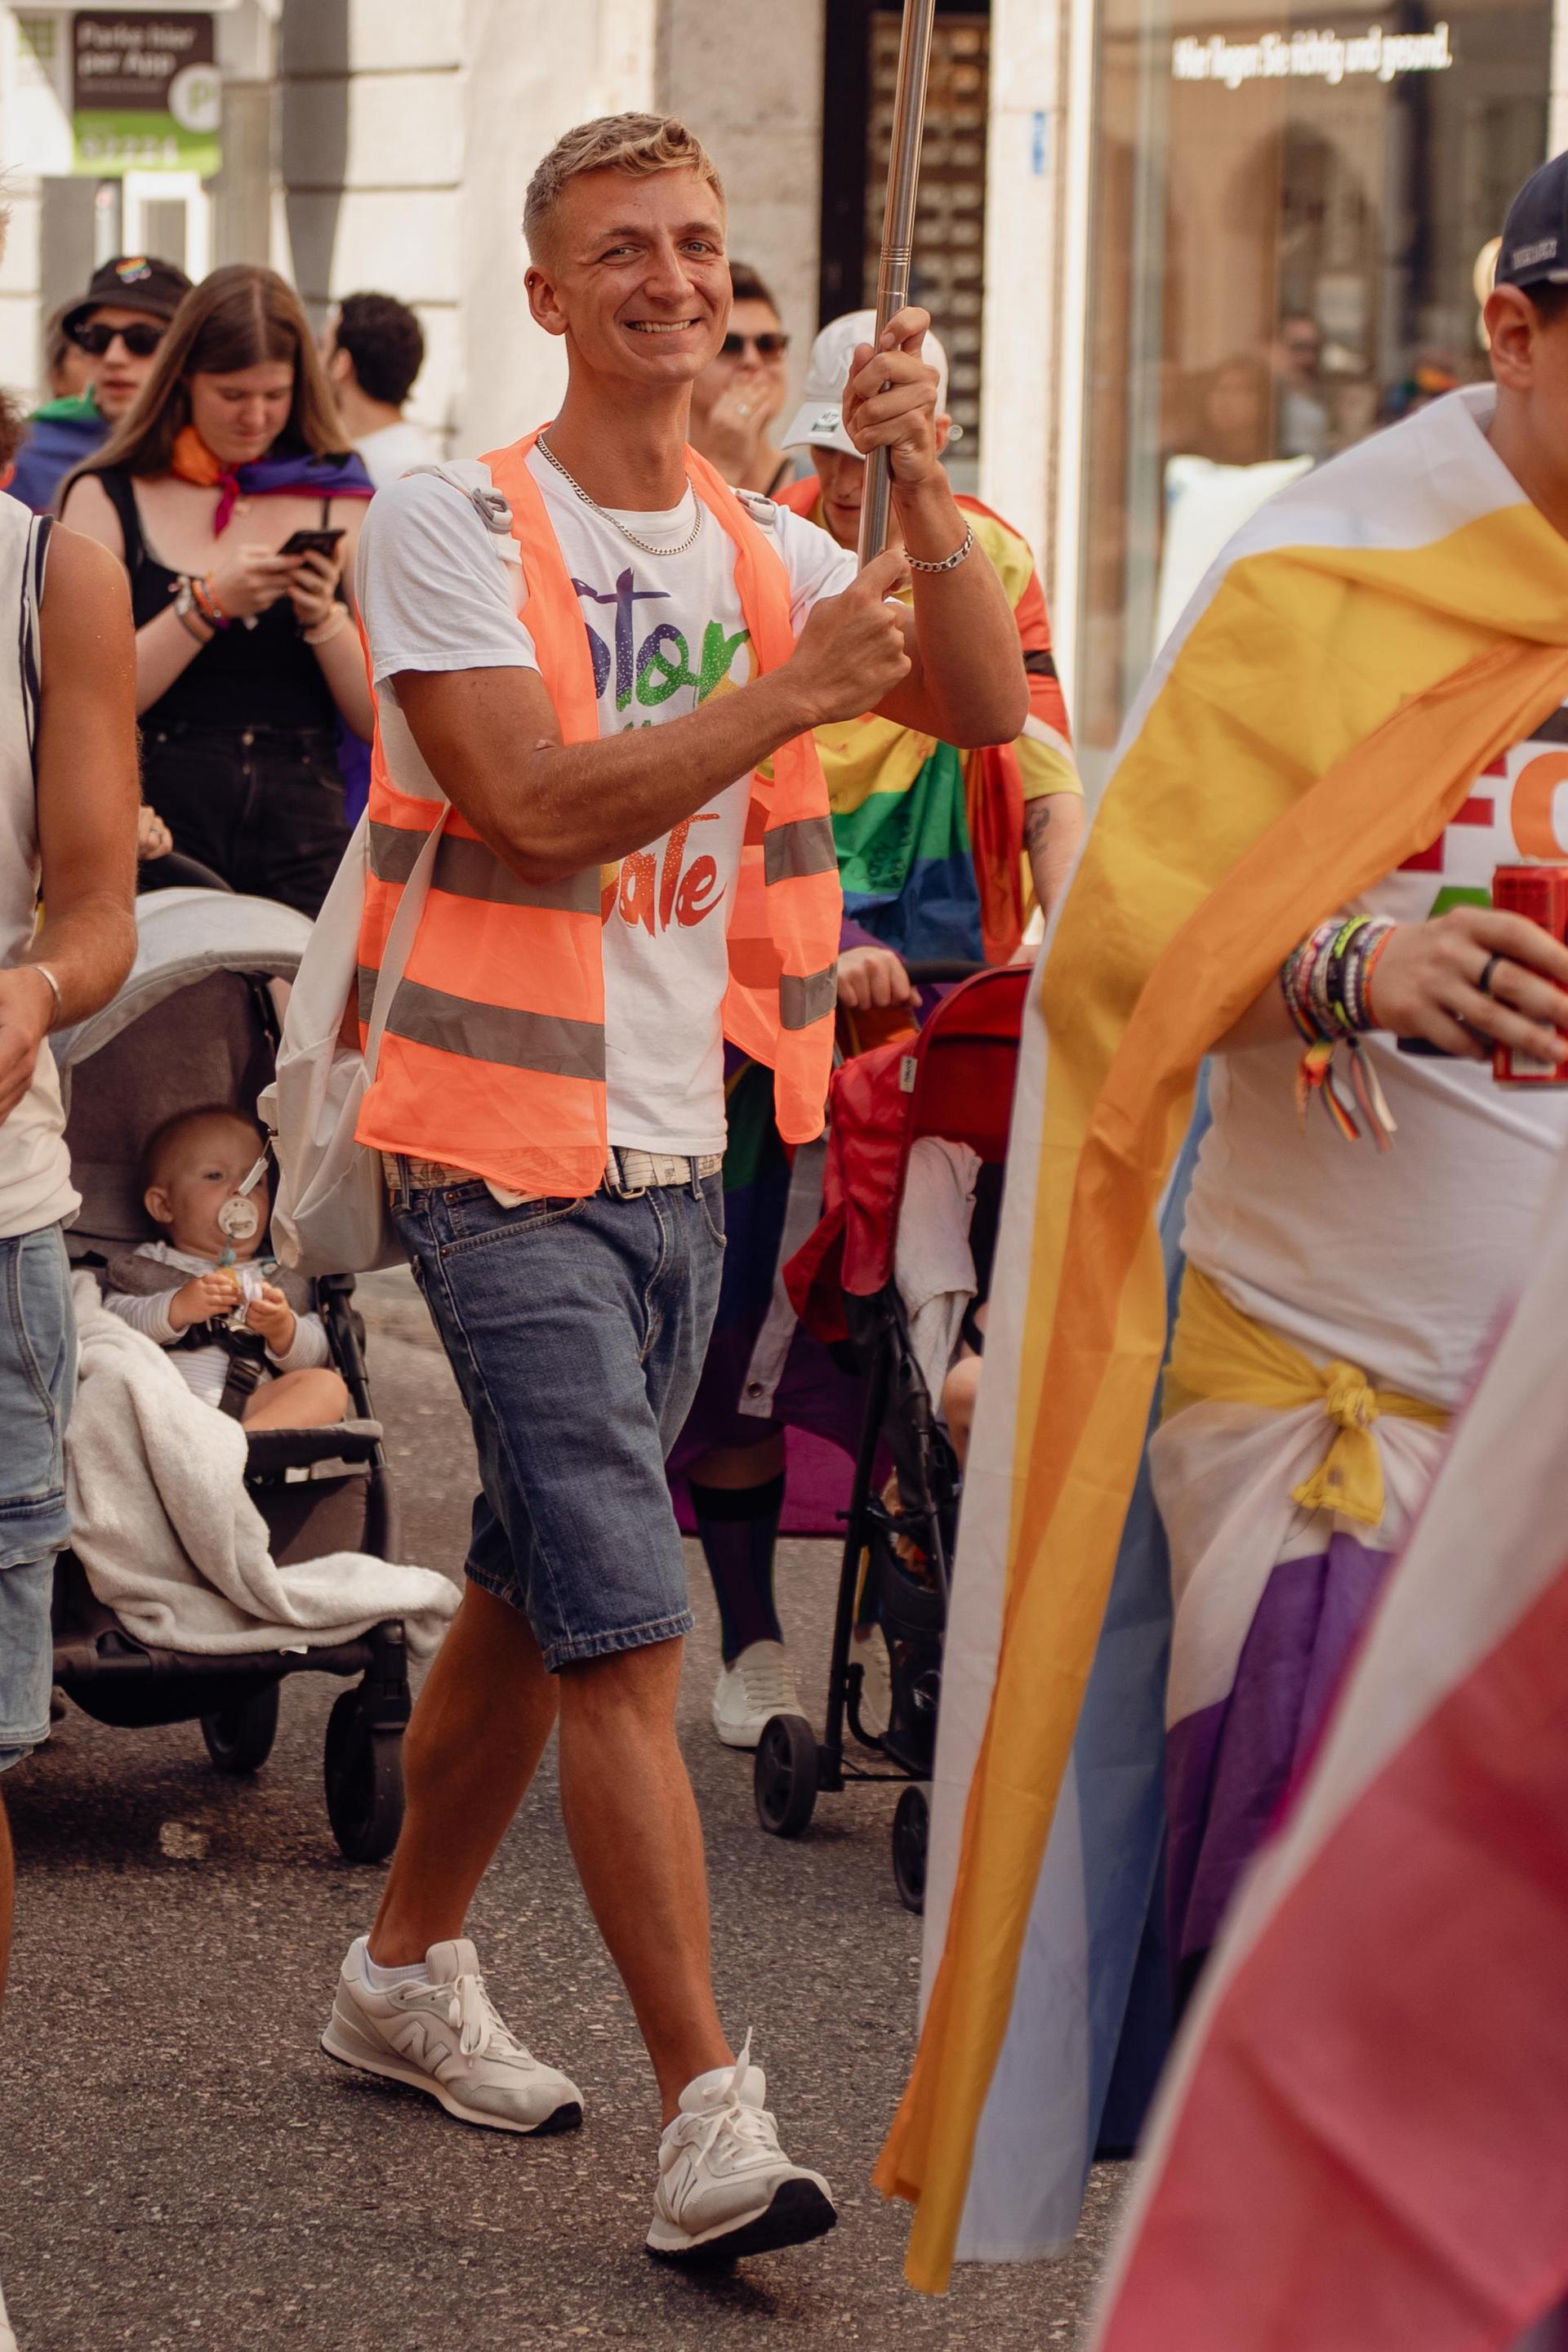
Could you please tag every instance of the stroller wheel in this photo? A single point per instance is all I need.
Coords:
(911, 1836)
(364, 1783)
(784, 1778)
(239, 1737)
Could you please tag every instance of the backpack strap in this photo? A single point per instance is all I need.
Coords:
(473, 477)
(30, 632)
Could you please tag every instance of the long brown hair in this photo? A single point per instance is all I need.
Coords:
(236, 319)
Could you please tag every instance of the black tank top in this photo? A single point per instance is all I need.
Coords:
(263, 677)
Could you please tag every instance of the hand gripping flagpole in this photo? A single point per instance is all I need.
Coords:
(898, 236)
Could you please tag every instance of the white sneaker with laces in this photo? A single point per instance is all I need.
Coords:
(725, 2186)
(760, 1683)
(446, 2039)
(871, 1656)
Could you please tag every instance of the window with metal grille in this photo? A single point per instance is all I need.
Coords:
(949, 268)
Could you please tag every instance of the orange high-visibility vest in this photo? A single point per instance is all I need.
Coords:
(493, 1056)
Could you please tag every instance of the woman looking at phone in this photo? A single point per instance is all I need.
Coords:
(230, 498)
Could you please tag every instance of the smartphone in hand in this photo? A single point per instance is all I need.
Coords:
(312, 542)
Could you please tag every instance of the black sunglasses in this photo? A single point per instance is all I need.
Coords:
(771, 346)
(140, 341)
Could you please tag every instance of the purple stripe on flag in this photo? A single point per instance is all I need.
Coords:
(1229, 1765)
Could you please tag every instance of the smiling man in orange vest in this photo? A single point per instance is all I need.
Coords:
(616, 891)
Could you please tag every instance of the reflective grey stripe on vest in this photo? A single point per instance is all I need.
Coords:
(802, 1002)
(468, 869)
(804, 846)
(393, 851)
(495, 1032)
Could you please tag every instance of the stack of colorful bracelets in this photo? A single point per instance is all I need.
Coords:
(195, 596)
(1327, 986)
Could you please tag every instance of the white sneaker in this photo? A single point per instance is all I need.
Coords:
(725, 2186)
(760, 1683)
(7, 2341)
(446, 2037)
(876, 1708)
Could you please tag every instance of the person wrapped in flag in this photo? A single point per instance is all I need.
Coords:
(1360, 717)
(1361, 2139)
(943, 854)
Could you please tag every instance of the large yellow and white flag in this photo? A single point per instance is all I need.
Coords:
(1362, 650)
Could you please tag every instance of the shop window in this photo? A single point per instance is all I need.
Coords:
(1286, 225)
(949, 268)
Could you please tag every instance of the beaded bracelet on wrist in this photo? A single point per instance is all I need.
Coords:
(1325, 983)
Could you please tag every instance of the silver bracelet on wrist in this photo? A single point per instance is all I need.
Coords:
(949, 562)
(58, 1012)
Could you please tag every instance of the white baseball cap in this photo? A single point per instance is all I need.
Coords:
(819, 419)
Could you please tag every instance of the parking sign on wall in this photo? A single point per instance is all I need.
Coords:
(146, 94)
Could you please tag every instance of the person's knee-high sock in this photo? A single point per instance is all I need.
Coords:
(739, 1527)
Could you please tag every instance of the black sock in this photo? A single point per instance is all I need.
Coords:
(739, 1527)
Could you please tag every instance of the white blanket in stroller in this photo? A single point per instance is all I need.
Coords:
(168, 1537)
(933, 1264)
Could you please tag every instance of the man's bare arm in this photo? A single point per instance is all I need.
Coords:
(1053, 827)
(86, 799)
(490, 739)
(966, 684)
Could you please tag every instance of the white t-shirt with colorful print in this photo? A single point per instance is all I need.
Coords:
(1400, 1262)
(666, 633)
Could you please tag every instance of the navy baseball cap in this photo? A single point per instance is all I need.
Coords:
(1535, 234)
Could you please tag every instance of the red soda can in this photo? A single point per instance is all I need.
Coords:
(1541, 892)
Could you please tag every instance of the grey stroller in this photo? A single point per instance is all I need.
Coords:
(197, 1023)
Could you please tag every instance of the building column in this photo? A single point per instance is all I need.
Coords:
(1023, 214)
(1557, 117)
(752, 93)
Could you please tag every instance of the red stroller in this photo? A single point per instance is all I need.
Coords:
(954, 1081)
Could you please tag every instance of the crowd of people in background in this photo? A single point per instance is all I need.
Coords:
(218, 467)
(203, 437)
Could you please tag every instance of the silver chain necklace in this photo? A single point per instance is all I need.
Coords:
(646, 545)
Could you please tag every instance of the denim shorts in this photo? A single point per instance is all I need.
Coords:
(37, 1375)
(576, 1330)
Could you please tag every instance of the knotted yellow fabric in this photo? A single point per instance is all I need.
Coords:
(1220, 1356)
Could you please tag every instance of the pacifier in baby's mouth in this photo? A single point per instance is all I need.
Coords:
(239, 1219)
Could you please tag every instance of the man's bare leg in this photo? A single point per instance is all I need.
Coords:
(472, 1746)
(632, 1821)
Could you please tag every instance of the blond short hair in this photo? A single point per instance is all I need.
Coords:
(637, 144)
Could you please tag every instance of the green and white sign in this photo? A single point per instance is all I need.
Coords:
(146, 95)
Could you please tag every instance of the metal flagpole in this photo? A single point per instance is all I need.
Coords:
(898, 236)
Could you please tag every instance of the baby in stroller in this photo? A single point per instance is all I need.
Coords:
(247, 1337)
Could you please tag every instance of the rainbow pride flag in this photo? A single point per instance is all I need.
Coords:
(1369, 643)
(931, 839)
(1363, 2137)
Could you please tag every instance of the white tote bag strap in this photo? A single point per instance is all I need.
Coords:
(400, 941)
(471, 477)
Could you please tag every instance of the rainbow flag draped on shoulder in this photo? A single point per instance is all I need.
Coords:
(1365, 647)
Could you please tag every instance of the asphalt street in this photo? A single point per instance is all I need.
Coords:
(183, 2168)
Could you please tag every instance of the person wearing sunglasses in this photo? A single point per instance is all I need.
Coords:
(117, 326)
(742, 391)
(941, 852)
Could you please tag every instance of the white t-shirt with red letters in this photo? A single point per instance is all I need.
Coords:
(666, 633)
